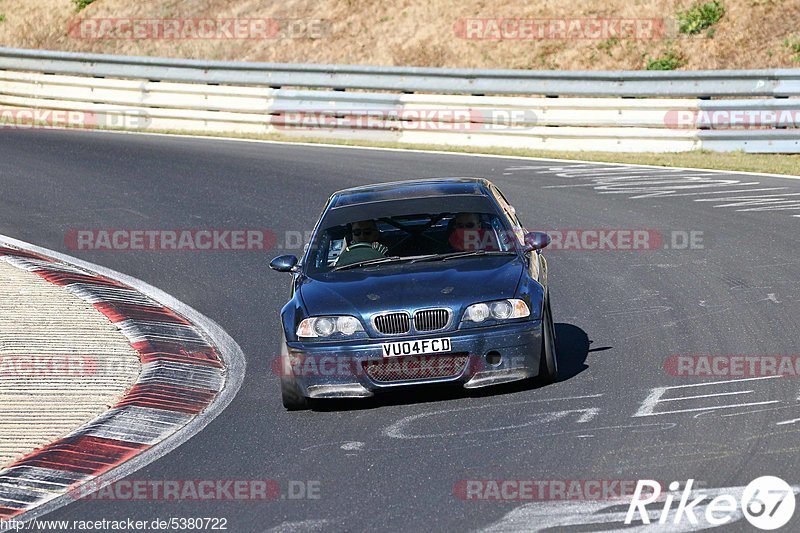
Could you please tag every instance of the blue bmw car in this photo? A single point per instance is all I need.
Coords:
(412, 283)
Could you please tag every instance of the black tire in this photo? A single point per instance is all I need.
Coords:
(548, 361)
(291, 397)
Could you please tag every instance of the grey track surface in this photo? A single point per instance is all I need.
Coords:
(619, 316)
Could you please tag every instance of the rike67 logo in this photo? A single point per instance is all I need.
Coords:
(767, 502)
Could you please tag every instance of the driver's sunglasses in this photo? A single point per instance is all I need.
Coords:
(467, 225)
(360, 232)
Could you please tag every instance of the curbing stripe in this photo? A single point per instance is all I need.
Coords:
(174, 373)
(183, 375)
(159, 351)
(168, 332)
(122, 312)
(39, 478)
(85, 454)
(125, 424)
(94, 294)
(69, 278)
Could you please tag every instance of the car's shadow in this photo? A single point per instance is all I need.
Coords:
(572, 346)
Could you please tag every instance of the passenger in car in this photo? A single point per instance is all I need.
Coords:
(466, 233)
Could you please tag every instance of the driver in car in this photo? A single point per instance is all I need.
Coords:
(363, 243)
(366, 231)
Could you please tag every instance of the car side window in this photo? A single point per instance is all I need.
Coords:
(322, 250)
(511, 215)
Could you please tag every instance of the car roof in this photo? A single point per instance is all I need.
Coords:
(410, 189)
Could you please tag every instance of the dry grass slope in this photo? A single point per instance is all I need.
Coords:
(751, 34)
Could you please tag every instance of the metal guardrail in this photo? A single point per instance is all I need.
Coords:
(712, 83)
(211, 96)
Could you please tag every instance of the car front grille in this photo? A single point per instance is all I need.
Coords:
(415, 368)
(393, 323)
(431, 319)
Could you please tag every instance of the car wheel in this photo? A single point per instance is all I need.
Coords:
(291, 397)
(548, 362)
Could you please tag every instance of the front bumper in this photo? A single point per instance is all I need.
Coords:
(326, 370)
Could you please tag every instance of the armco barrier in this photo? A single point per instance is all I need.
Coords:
(610, 111)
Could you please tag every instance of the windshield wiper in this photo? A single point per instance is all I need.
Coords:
(417, 258)
(368, 262)
(457, 255)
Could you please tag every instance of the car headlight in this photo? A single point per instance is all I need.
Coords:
(497, 310)
(325, 326)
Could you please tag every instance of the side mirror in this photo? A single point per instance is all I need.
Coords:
(536, 240)
(283, 263)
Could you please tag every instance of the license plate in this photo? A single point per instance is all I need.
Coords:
(418, 347)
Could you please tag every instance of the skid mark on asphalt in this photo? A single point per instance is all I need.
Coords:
(653, 310)
(756, 411)
(341, 444)
(689, 452)
(642, 183)
(731, 304)
(302, 526)
(674, 323)
(650, 457)
(124, 210)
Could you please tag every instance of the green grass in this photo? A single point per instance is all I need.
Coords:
(81, 4)
(793, 44)
(608, 45)
(700, 17)
(669, 60)
(2, 17)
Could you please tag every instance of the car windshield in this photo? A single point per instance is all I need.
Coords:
(417, 237)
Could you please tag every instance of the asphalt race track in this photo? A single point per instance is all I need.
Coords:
(400, 460)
